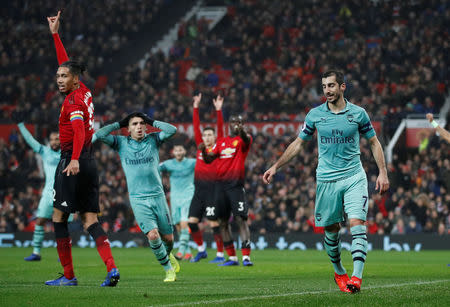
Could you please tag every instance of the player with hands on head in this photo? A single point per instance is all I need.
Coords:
(341, 179)
(139, 156)
(76, 176)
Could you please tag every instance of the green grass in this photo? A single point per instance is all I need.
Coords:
(279, 278)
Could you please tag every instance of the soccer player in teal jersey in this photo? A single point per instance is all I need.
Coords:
(341, 180)
(139, 155)
(50, 158)
(181, 170)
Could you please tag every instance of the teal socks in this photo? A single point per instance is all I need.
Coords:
(38, 237)
(333, 248)
(184, 240)
(159, 249)
(358, 249)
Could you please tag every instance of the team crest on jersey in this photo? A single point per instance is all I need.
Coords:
(227, 152)
(235, 142)
(350, 117)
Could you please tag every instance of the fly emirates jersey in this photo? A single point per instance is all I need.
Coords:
(232, 153)
(77, 106)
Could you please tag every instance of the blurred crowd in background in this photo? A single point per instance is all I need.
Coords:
(267, 58)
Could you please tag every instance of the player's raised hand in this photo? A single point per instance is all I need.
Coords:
(267, 177)
(53, 23)
(382, 184)
(197, 99)
(429, 117)
(218, 102)
(73, 168)
(201, 146)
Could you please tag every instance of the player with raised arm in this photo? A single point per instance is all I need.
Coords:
(444, 133)
(230, 153)
(76, 176)
(181, 170)
(341, 180)
(139, 156)
(51, 155)
(205, 182)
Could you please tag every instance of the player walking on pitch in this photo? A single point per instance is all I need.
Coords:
(181, 170)
(205, 183)
(51, 155)
(76, 176)
(341, 180)
(139, 156)
(231, 153)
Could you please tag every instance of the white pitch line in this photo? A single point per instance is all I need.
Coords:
(235, 299)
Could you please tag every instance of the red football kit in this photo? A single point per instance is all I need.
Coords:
(204, 171)
(232, 153)
(76, 120)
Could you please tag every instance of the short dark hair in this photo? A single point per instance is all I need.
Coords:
(338, 74)
(76, 68)
(209, 128)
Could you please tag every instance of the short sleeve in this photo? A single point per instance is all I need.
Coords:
(365, 126)
(308, 128)
(162, 166)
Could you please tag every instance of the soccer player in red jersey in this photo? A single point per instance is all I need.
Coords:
(230, 153)
(204, 181)
(76, 177)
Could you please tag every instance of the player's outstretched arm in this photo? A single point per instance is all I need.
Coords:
(31, 141)
(53, 24)
(444, 133)
(382, 184)
(218, 103)
(293, 149)
(196, 118)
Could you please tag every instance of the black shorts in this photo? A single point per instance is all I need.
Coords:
(230, 199)
(203, 201)
(76, 192)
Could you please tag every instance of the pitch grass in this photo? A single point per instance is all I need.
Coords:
(279, 278)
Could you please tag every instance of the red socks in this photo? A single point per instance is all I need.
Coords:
(104, 250)
(64, 247)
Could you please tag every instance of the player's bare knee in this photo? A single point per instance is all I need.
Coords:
(214, 223)
(168, 238)
(356, 222)
(193, 220)
(333, 228)
(41, 221)
(59, 216)
(88, 219)
(153, 234)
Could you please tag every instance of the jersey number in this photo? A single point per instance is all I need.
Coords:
(241, 206)
(365, 203)
(210, 211)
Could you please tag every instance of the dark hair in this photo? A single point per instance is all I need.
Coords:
(209, 128)
(75, 68)
(339, 75)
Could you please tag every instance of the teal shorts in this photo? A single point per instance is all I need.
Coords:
(152, 212)
(180, 208)
(333, 198)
